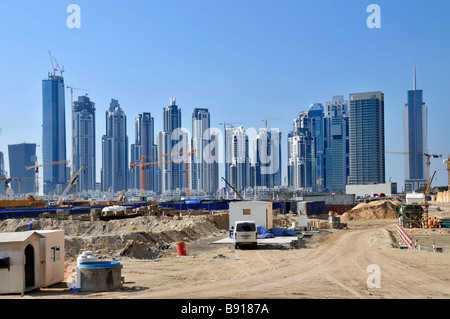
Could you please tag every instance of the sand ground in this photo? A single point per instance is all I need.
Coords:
(363, 261)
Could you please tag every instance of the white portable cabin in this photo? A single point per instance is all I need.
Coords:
(52, 257)
(30, 260)
(20, 267)
(258, 211)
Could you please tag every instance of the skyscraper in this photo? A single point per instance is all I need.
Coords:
(144, 146)
(171, 140)
(336, 144)
(203, 163)
(21, 156)
(267, 158)
(83, 142)
(302, 154)
(240, 159)
(53, 133)
(366, 138)
(115, 150)
(315, 114)
(415, 138)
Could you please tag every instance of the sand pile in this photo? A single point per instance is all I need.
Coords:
(380, 209)
(143, 237)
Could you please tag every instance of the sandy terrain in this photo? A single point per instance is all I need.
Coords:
(336, 263)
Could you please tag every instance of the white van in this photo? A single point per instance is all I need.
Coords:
(245, 234)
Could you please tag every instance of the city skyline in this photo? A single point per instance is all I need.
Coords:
(236, 85)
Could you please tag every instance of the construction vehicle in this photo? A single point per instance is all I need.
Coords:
(71, 183)
(237, 193)
(31, 202)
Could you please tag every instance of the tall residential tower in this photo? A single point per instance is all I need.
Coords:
(115, 150)
(83, 142)
(366, 138)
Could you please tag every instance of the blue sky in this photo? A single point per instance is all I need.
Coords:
(245, 60)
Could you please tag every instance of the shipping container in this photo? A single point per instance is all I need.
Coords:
(310, 208)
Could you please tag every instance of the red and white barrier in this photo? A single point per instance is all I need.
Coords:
(404, 236)
(415, 244)
(434, 247)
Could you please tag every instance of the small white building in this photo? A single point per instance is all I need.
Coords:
(20, 267)
(52, 257)
(30, 260)
(258, 211)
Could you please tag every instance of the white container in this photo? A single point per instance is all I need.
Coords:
(302, 221)
(415, 199)
(258, 211)
(86, 256)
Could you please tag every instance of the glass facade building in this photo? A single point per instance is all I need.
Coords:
(21, 156)
(366, 138)
(53, 134)
(171, 140)
(144, 145)
(83, 142)
(115, 150)
(415, 139)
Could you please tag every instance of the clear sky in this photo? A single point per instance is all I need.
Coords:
(245, 60)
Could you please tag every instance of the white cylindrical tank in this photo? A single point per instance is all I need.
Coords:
(86, 256)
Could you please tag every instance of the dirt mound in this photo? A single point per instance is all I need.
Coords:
(380, 209)
(143, 237)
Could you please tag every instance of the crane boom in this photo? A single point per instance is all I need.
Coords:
(237, 193)
(73, 181)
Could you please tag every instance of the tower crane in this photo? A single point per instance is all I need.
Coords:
(57, 67)
(7, 181)
(142, 166)
(427, 155)
(71, 92)
(266, 120)
(36, 171)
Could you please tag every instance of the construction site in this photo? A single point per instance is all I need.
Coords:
(329, 257)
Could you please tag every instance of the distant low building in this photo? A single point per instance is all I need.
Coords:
(389, 188)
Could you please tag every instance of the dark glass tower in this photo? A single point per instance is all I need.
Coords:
(415, 139)
(366, 137)
(21, 156)
(53, 133)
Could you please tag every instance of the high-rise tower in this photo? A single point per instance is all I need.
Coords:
(366, 138)
(115, 150)
(53, 133)
(83, 142)
(144, 146)
(415, 115)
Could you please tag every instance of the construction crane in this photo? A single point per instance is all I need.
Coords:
(71, 183)
(61, 70)
(7, 181)
(19, 179)
(266, 120)
(71, 92)
(142, 166)
(427, 155)
(237, 193)
(36, 171)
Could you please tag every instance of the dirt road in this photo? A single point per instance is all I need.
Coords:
(335, 264)
(338, 268)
